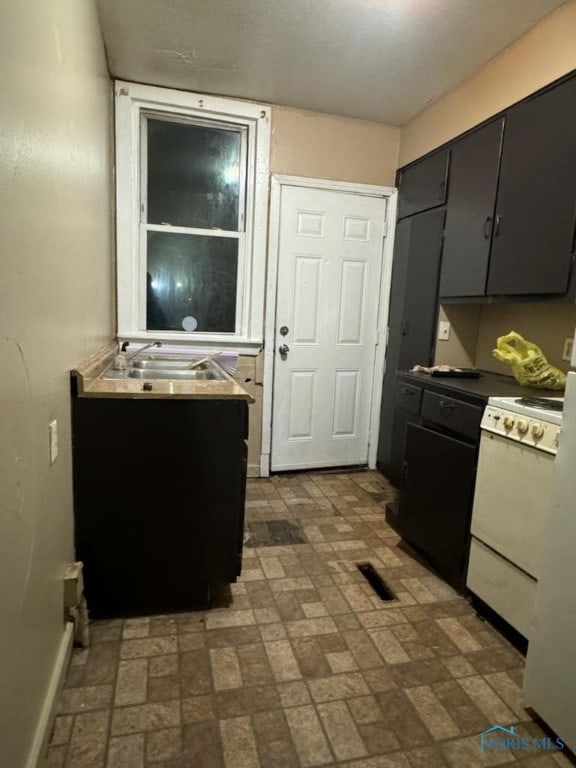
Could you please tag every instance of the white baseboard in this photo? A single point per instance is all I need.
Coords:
(44, 725)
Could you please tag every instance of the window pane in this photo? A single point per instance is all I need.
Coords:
(191, 283)
(193, 175)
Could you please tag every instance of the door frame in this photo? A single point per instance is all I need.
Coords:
(391, 194)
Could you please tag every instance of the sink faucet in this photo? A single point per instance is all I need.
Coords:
(143, 349)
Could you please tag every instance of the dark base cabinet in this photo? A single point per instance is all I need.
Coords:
(159, 490)
(435, 504)
(439, 425)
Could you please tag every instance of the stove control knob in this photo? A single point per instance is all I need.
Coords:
(508, 422)
(522, 426)
(537, 430)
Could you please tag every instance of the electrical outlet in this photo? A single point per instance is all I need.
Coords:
(53, 435)
(443, 330)
(567, 351)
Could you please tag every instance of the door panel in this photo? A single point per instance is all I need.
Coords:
(346, 403)
(330, 262)
(352, 298)
(306, 299)
(301, 399)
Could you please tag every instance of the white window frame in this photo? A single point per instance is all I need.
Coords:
(132, 100)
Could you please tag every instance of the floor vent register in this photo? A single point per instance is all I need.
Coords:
(376, 581)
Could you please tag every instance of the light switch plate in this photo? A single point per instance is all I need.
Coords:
(443, 330)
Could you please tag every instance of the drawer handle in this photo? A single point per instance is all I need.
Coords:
(446, 406)
(406, 391)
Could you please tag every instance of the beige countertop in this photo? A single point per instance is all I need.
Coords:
(90, 382)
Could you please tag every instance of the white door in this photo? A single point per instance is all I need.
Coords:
(329, 267)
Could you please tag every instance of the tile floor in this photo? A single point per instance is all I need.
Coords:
(305, 666)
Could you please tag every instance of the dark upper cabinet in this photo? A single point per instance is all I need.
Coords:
(421, 295)
(423, 185)
(533, 237)
(411, 322)
(474, 167)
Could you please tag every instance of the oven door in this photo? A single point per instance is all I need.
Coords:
(512, 499)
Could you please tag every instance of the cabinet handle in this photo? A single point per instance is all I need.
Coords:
(441, 191)
(404, 473)
(497, 225)
(446, 406)
(406, 391)
(404, 329)
(487, 227)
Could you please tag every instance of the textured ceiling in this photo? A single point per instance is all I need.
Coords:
(382, 60)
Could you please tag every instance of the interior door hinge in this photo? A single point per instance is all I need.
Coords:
(385, 232)
(377, 338)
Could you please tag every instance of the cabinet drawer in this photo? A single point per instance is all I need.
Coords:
(408, 397)
(460, 418)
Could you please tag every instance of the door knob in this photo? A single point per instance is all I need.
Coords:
(283, 349)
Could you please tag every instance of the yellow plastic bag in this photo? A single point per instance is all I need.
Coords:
(529, 366)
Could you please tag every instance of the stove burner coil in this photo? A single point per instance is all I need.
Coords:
(546, 403)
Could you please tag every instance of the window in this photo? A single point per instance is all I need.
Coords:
(192, 196)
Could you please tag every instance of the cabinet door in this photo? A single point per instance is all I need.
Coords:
(474, 169)
(436, 499)
(534, 229)
(412, 316)
(423, 185)
(158, 500)
(421, 296)
(405, 401)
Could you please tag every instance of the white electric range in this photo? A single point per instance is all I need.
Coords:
(512, 499)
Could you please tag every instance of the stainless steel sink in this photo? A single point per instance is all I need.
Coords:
(156, 367)
(176, 374)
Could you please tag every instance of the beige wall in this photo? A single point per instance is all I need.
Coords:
(56, 289)
(475, 329)
(547, 325)
(545, 53)
(329, 147)
(460, 348)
